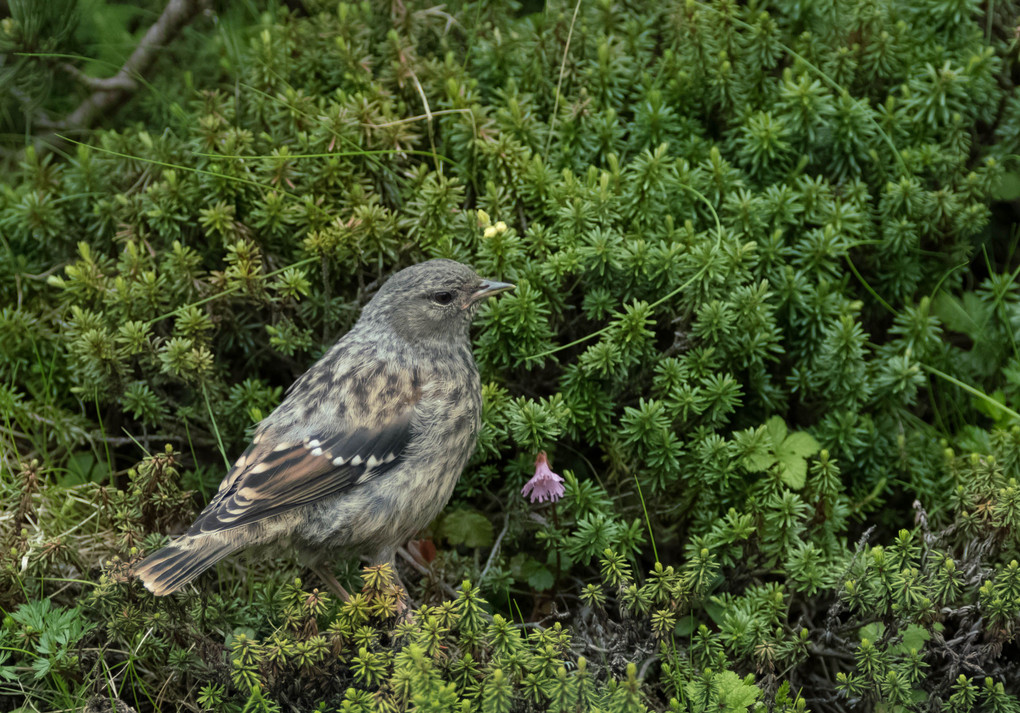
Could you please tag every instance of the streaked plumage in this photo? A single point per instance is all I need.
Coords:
(368, 444)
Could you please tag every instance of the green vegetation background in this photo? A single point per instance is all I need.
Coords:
(766, 327)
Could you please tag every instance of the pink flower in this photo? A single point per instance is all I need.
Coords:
(544, 485)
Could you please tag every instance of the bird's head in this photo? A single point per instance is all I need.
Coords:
(432, 301)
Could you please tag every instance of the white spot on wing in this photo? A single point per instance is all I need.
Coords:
(314, 443)
(317, 451)
(338, 461)
(372, 462)
(356, 460)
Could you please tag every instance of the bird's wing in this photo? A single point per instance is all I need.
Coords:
(273, 476)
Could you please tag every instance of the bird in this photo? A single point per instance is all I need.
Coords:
(367, 445)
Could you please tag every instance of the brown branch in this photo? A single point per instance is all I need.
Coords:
(109, 93)
(97, 84)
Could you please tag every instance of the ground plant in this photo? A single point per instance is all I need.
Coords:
(765, 333)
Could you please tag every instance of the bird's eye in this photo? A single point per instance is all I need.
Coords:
(442, 298)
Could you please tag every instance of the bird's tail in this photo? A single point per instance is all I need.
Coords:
(170, 568)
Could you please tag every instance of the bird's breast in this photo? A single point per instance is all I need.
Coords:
(385, 512)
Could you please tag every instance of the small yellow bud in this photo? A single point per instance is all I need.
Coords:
(483, 219)
(500, 227)
(490, 232)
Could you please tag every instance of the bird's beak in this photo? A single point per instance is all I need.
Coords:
(488, 288)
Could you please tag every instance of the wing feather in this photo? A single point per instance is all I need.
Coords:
(273, 476)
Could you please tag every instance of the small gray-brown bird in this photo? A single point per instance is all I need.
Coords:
(365, 449)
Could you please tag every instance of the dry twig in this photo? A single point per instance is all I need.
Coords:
(109, 93)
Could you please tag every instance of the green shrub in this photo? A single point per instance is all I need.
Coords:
(765, 327)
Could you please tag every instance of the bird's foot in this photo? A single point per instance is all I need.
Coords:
(405, 607)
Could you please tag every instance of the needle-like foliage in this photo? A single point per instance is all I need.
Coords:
(765, 328)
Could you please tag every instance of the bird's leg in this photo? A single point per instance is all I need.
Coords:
(424, 570)
(326, 576)
(415, 562)
(404, 603)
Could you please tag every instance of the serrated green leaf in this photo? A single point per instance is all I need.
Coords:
(758, 462)
(793, 470)
(966, 316)
(526, 568)
(872, 632)
(799, 444)
(541, 579)
(732, 694)
(467, 527)
(914, 637)
(736, 694)
(40, 667)
(776, 428)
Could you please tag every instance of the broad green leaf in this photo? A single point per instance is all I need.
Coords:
(82, 467)
(914, 637)
(966, 316)
(467, 527)
(872, 632)
(759, 461)
(777, 430)
(685, 627)
(800, 443)
(1007, 188)
(793, 470)
(526, 568)
(715, 609)
(541, 579)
